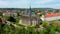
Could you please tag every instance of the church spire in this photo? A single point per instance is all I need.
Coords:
(30, 14)
(30, 7)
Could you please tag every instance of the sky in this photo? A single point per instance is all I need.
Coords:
(28, 3)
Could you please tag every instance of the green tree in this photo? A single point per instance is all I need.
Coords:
(11, 19)
(1, 14)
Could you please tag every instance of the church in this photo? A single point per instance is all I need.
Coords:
(29, 18)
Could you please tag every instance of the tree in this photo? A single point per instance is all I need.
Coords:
(1, 14)
(18, 14)
(12, 19)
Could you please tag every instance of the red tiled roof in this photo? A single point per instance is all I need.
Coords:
(52, 14)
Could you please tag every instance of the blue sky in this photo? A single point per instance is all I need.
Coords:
(27, 3)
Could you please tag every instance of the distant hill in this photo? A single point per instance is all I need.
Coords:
(28, 9)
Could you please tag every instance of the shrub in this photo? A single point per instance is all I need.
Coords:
(58, 28)
(50, 29)
(44, 31)
(44, 23)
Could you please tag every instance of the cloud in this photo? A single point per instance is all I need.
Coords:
(57, 6)
(46, 4)
(54, 6)
(27, 3)
(16, 4)
(42, 1)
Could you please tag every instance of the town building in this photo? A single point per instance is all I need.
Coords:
(52, 15)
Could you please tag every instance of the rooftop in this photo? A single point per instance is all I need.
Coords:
(52, 14)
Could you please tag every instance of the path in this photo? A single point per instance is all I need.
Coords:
(12, 24)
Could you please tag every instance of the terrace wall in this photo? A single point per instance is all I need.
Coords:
(52, 18)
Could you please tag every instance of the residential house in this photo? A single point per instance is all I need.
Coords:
(52, 16)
